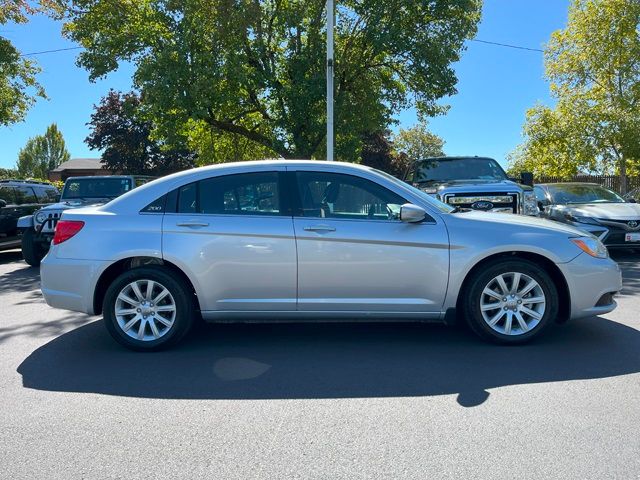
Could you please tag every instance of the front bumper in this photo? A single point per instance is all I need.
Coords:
(590, 280)
(70, 284)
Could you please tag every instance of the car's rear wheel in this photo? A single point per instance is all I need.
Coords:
(147, 308)
(32, 251)
(510, 302)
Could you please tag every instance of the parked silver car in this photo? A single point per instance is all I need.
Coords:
(309, 240)
(592, 208)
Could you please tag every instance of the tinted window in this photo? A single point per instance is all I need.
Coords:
(46, 194)
(25, 195)
(332, 195)
(242, 194)
(582, 193)
(187, 198)
(6, 194)
(435, 170)
(92, 187)
(540, 196)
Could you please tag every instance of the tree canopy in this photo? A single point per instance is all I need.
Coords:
(593, 66)
(256, 68)
(119, 128)
(42, 154)
(394, 153)
(18, 85)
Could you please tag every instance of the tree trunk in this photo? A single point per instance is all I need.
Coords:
(623, 175)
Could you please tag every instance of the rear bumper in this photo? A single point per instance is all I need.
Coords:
(70, 284)
(589, 279)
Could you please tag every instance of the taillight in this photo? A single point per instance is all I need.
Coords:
(65, 229)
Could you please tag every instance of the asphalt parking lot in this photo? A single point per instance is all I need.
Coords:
(315, 401)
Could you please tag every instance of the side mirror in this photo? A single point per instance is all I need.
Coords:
(631, 200)
(526, 178)
(411, 213)
(2, 203)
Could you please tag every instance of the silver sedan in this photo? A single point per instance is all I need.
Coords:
(309, 241)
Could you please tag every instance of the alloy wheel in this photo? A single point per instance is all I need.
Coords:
(145, 310)
(512, 303)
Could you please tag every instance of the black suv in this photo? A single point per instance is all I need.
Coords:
(19, 198)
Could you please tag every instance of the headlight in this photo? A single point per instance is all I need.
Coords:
(592, 246)
(41, 217)
(530, 204)
(581, 219)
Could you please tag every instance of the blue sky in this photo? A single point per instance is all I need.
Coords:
(496, 85)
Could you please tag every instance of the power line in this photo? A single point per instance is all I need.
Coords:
(473, 40)
(507, 45)
(50, 51)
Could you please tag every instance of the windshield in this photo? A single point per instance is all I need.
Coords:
(443, 207)
(91, 187)
(582, 193)
(444, 170)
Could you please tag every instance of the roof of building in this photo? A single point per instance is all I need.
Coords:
(80, 164)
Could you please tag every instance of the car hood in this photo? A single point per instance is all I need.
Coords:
(521, 222)
(474, 185)
(613, 211)
(66, 204)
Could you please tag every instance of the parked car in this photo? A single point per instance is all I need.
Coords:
(37, 228)
(17, 198)
(592, 208)
(308, 240)
(477, 183)
(633, 195)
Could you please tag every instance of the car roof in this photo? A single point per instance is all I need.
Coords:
(100, 176)
(457, 157)
(14, 182)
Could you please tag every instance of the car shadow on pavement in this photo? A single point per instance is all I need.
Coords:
(23, 278)
(312, 361)
(630, 264)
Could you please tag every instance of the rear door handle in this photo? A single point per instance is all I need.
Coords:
(319, 228)
(193, 224)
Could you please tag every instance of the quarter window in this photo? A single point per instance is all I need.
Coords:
(6, 194)
(334, 195)
(241, 194)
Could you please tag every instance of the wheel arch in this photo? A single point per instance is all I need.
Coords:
(564, 309)
(125, 264)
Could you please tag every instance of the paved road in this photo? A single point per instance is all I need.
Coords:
(315, 401)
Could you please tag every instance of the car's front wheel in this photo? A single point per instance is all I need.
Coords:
(32, 251)
(148, 308)
(511, 301)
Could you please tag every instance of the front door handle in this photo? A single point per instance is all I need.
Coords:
(320, 228)
(192, 224)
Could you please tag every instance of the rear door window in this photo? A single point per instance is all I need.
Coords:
(46, 194)
(241, 194)
(25, 195)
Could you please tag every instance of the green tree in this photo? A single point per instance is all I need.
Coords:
(119, 128)
(42, 154)
(418, 142)
(215, 146)
(593, 66)
(18, 85)
(256, 68)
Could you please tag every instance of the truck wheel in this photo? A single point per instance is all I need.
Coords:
(148, 308)
(510, 302)
(32, 251)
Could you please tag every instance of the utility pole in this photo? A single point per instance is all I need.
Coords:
(330, 64)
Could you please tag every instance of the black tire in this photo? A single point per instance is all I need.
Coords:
(182, 297)
(473, 294)
(32, 251)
